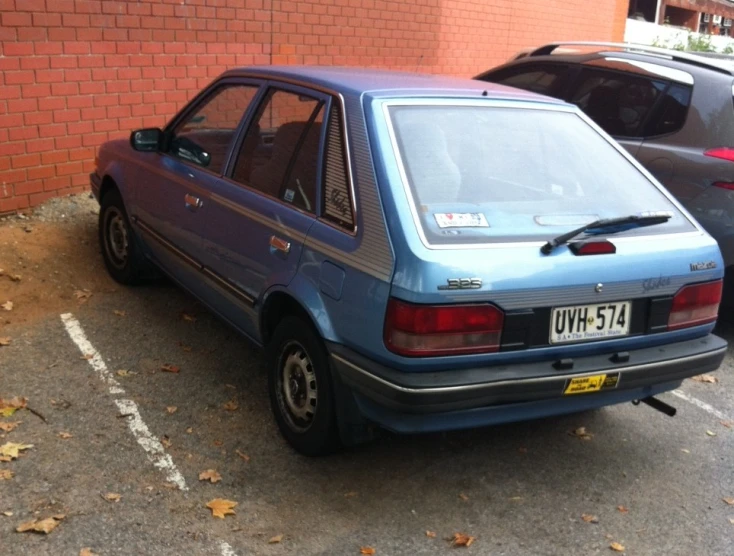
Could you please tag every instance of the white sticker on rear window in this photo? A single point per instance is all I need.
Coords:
(460, 220)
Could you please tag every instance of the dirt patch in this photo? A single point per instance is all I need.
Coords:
(47, 256)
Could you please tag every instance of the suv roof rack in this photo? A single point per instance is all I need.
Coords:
(676, 55)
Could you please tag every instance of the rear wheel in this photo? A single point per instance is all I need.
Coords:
(301, 393)
(120, 252)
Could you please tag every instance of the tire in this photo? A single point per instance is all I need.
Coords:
(120, 251)
(301, 390)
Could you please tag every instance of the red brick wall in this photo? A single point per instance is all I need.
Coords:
(74, 73)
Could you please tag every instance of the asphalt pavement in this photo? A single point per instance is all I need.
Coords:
(651, 483)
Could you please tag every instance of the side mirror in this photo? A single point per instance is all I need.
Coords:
(147, 140)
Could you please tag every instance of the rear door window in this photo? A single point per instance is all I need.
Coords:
(546, 79)
(670, 114)
(619, 103)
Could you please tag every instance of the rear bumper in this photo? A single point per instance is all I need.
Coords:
(409, 402)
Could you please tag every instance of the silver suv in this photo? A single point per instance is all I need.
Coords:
(673, 111)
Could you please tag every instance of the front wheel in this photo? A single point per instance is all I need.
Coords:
(301, 393)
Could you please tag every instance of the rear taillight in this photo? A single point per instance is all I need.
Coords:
(724, 153)
(724, 185)
(695, 304)
(427, 330)
(593, 247)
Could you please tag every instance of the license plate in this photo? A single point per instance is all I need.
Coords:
(582, 323)
(585, 384)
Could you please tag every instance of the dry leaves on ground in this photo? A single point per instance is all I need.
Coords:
(729, 501)
(727, 424)
(581, 433)
(711, 433)
(616, 547)
(231, 405)
(731, 520)
(87, 552)
(8, 407)
(350, 494)
(431, 534)
(710, 379)
(119, 313)
(189, 430)
(188, 318)
(9, 426)
(5, 341)
(166, 441)
(6, 474)
(65, 435)
(123, 372)
(243, 455)
(276, 539)
(170, 368)
(462, 539)
(210, 475)
(622, 509)
(171, 409)
(15, 277)
(12, 450)
(7, 514)
(40, 525)
(8, 305)
(589, 518)
(464, 497)
(221, 507)
(112, 497)
(82, 295)
(366, 550)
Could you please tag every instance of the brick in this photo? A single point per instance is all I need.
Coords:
(54, 157)
(41, 172)
(19, 77)
(26, 187)
(16, 19)
(38, 198)
(31, 33)
(12, 176)
(37, 90)
(39, 145)
(34, 62)
(22, 134)
(68, 168)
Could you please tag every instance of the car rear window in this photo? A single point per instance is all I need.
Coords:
(483, 174)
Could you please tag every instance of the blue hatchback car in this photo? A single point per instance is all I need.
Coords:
(415, 252)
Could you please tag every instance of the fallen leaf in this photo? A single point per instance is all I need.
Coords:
(589, 518)
(8, 305)
(6, 458)
(188, 318)
(243, 456)
(166, 441)
(5, 474)
(221, 507)
(82, 295)
(40, 526)
(731, 520)
(711, 433)
(189, 430)
(464, 497)
(86, 552)
(170, 368)
(12, 450)
(622, 509)
(231, 405)
(616, 547)
(729, 501)
(711, 379)
(366, 550)
(210, 475)
(516, 498)
(727, 424)
(431, 534)
(119, 313)
(65, 435)
(123, 372)
(112, 497)
(15, 277)
(581, 433)
(7, 427)
(87, 356)
(351, 494)
(218, 443)
(8, 514)
(276, 539)
(462, 539)
(5, 341)
(685, 451)
(171, 409)
(16, 402)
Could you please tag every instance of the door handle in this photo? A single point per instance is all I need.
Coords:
(280, 244)
(192, 202)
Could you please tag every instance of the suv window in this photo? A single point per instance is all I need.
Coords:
(337, 203)
(545, 79)
(204, 136)
(670, 115)
(618, 102)
(280, 153)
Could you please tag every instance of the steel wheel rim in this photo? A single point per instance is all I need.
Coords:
(297, 387)
(116, 238)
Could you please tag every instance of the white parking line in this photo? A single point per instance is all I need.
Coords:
(703, 405)
(152, 446)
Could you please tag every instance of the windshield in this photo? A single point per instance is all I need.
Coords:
(480, 174)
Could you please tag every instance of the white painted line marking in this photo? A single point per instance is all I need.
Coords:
(703, 405)
(152, 446)
(226, 549)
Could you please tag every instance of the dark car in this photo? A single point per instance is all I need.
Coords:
(673, 111)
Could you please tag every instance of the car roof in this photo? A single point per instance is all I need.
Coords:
(378, 82)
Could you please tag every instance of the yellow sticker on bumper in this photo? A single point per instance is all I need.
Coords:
(585, 384)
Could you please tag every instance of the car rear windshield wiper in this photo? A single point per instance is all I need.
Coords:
(610, 226)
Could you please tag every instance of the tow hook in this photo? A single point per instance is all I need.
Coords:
(655, 403)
